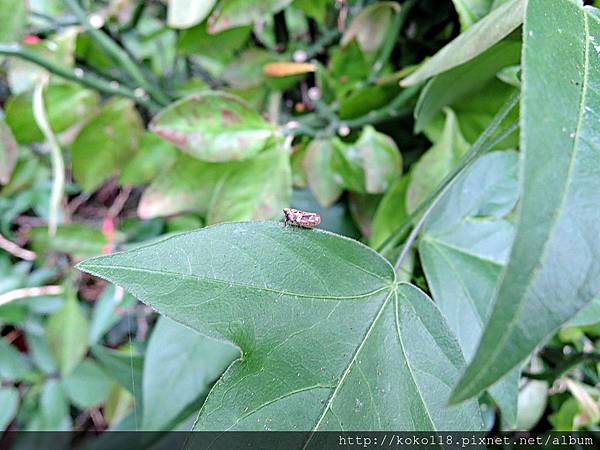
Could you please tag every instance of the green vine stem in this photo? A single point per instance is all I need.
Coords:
(83, 77)
(118, 54)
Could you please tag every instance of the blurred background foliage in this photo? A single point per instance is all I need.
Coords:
(156, 117)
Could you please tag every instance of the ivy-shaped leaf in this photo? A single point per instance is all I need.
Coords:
(326, 332)
(464, 248)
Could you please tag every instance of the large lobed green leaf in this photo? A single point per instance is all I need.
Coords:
(329, 339)
(214, 126)
(465, 245)
(554, 268)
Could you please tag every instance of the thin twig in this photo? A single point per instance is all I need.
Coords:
(58, 163)
(564, 367)
(15, 250)
(81, 76)
(117, 53)
(17, 294)
(119, 202)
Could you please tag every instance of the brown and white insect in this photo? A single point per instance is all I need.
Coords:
(301, 218)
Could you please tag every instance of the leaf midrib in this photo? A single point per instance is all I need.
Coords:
(90, 269)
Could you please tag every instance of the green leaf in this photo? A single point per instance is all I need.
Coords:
(470, 11)
(464, 247)
(13, 18)
(8, 152)
(370, 26)
(66, 104)
(476, 40)
(589, 315)
(9, 399)
(153, 156)
(188, 185)
(125, 366)
(197, 40)
(317, 9)
(187, 13)
(346, 69)
(391, 212)
(370, 165)
(214, 126)
(87, 385)
(256, 189)
(438, 161)
(180, 367)
(464, 80)
(319, 172)
(552, 272)
(75, 239)
(104, 314)
(67, 335)
(280, 293)
(15, 366)
(106, 143)
(233, 13)
(53, 413)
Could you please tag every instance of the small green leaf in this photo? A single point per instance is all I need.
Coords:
(67, 335)
(53, 411)
(187, 13)
(87, 385)
(233, 13)
(347, 67)
(125, 366)
(256, 189)
(106, 143)
(180, 367)
(153, 156)
(278, 294)
(214, 126)
(66, 105)
(319, 172)
(370, 165)
(8, 152)
(476, 40)
(552, 272)
(370, 26)
(15, 366)
(438, 161)
(391, 212)
(198, 41)
(9, 399)
(13, 18)
(77, 240)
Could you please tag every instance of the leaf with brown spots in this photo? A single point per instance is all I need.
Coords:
(214, 126)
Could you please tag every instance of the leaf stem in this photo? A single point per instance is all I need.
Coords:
(58, 164)
(15, 250)
(118, 54)
(83, 78)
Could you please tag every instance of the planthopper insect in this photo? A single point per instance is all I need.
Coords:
(301, 218)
